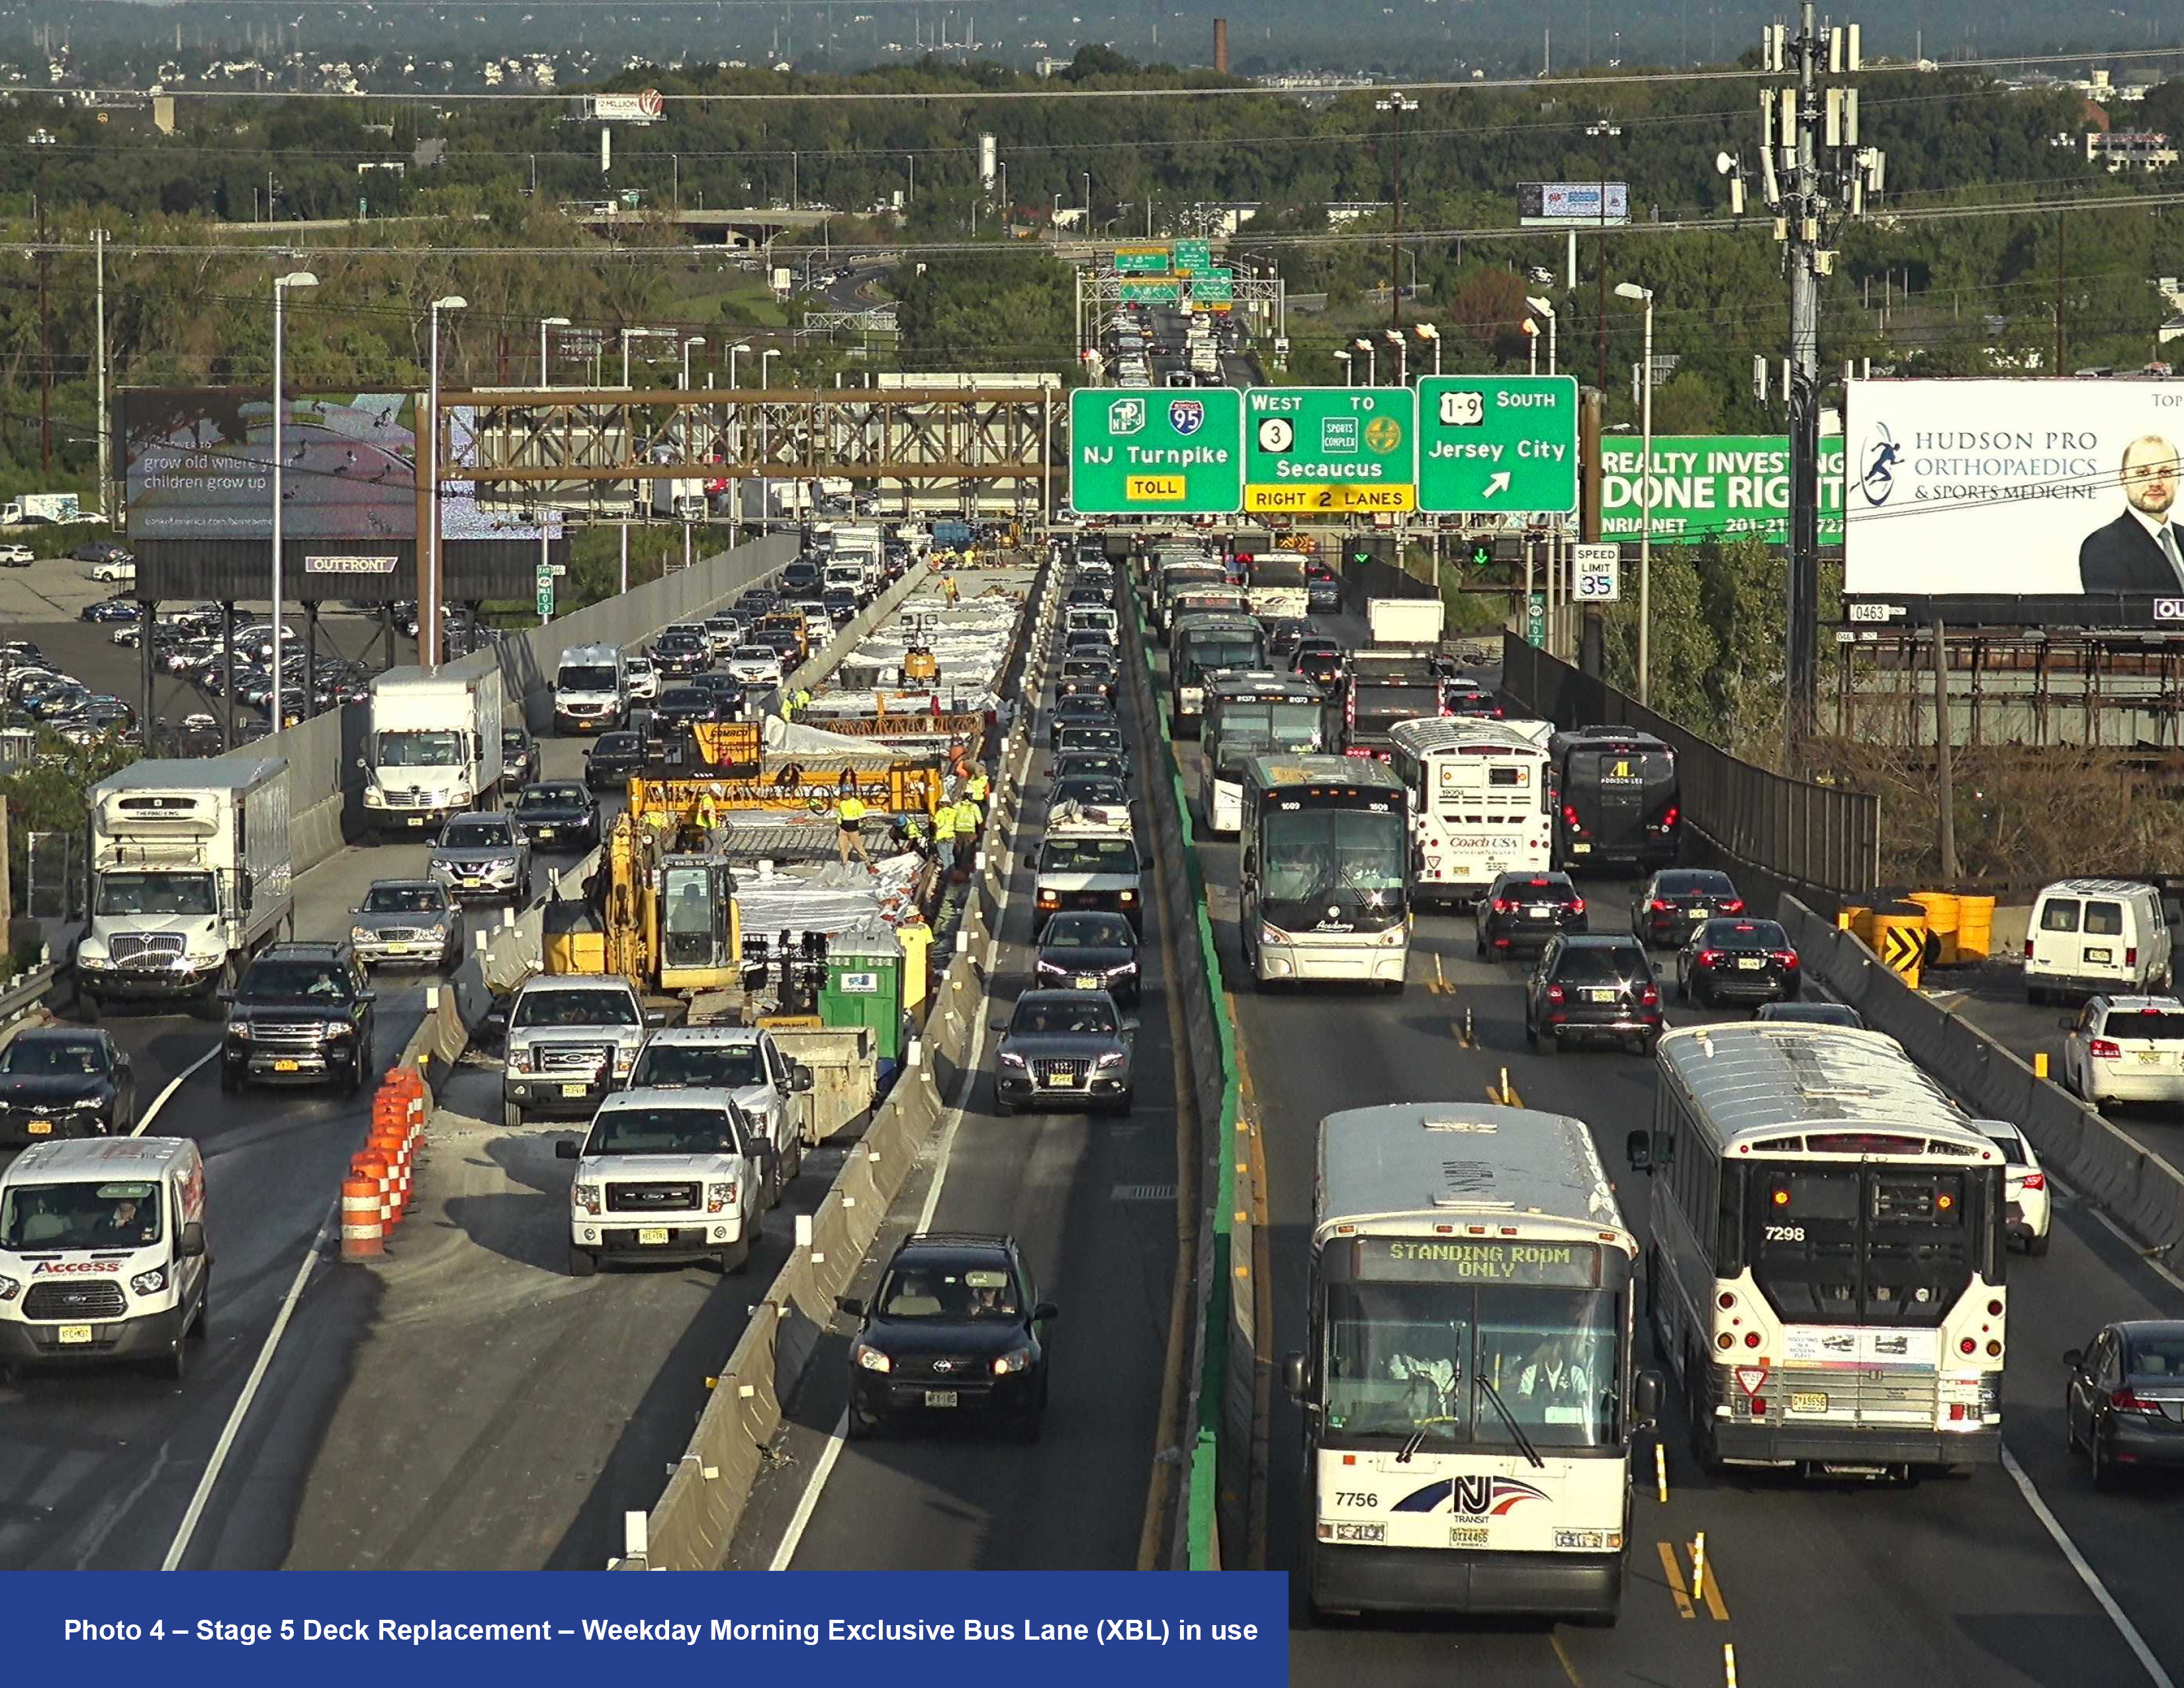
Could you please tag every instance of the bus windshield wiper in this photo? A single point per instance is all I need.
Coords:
(1501, 1407)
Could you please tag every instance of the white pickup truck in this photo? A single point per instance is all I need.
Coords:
(667, 1175)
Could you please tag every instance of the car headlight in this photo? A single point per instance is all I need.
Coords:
(1391, 937)
(871, 1360)
(720, 1197)
(340, 1028)
(585, 1198)
(624, 1059)
(150, 1283)
(361, 935)
(1272, 935)
(1015, 1362)
(1127, 897)
(1113, 1059)
(1010, 1058)
(9, 1289)
(88, 1103)
(519, 1061)
(1127, 970)
(1058, 971)
(239, 1029)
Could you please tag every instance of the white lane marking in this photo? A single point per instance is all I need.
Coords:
(242, 1409)
(2132, 1638)
(174, 1085)
(2133, 1243)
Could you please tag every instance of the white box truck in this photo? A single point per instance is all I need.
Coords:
(1412, 622)
(680, 500)
(191, 875)
(863, 543)
(33, 510)
(435, 749)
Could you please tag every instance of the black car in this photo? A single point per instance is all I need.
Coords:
(1812, 1014)
(754, 602)
(1086, 597)
(1064, 1051)
(1320, 662)
(302, 1014)
(1522, 911)
(1676, 900)
(2124, 1404)
(1089, 949)
(101, 551)
(64, 1080)
(1077, 708)
(798, 578)
(1283, 635)
(684, 706)
(1737, 961)
(840, 604)
(613, 760)
(724, 688)
(1077, 737)
(559, 814)
(1592, 987)
(1462, 697)
(1091, 791)
(1089, 676)
(954, 1329)
(1079, 647)
(1086, 763)
(112, 610)
(678, 654)
(519, 758)
(1322, 589)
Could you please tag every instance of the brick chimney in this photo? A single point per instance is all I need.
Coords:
(1221, 46)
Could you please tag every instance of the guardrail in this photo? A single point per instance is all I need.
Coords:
(25, 991)
(1820, 838)
(2142, 1190)
(1214, 1503)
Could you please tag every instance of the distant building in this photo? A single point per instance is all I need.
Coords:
(2123, 149)
(1350, 210)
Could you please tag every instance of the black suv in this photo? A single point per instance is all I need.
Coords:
(1737, 961)
(303, 1015)
(612, 759)
(1522, 911)
(1592, 987)
(956, 1328)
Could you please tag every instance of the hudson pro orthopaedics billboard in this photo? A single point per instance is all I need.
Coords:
(2012, 489)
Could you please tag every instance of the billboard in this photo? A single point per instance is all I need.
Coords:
(647, 107)
(1713, 486)
(2014, 488)
(198, 463)
(1550, 204)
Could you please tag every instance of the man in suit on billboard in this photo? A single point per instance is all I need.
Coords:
(2141, 550)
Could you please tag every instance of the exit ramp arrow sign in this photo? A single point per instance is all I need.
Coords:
(1500, 444)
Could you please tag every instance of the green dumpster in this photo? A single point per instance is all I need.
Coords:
(864, 987)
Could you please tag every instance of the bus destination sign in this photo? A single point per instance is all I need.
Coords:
(1479, 1260)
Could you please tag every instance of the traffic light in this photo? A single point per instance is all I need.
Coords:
(1482, 553)
(1371, 548)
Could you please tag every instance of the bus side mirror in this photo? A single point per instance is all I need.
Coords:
(1645, 1408)
(1293, 1375)
(1638, 1147)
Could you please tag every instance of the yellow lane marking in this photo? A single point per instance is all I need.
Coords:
(1711, 1591)
(1675, 1574)
(1562, 1658)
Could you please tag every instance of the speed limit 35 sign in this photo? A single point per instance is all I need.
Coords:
(1597, 574)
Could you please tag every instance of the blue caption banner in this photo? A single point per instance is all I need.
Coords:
(244, 1628)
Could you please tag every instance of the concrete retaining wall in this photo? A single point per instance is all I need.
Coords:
(2144, 1192)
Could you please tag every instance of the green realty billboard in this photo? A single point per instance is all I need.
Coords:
(1729, 485)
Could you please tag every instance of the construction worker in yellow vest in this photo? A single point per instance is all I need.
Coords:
(967, 818)
(709, 815)
(944, 837)
(978, 786)
(850, 812)
(949, 589)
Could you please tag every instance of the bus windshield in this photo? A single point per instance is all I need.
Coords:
(1876, 1245)
(1455, 1367)
(1341, 856)
(1258, 728)
(1230, 651)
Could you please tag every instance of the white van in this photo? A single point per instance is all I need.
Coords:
(590, 689)
(103, 1252)
(2089, 935)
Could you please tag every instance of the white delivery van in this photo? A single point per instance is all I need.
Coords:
(591, 690)
(103, 1252)
(2096, 935)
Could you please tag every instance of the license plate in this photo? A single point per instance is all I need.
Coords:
(73, 1334)
(416, 821)
(1694, 914)
(1063, 1081)
(1600, 996)
(2150, 1057)
(542, 832)
(474, 878)
(1538, 912)
(1087, 981)
(401, 949)
(1807, 1401)
(571, 1092)
(40, 1128)
(940, 1397)
(287, 1067)
(652, 1236)
(1749, 964)
(2106, 956)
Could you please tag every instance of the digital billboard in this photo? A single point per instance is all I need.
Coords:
(2014, 488)
(1550, 204)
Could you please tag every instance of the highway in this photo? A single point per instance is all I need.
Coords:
(1092, 1201)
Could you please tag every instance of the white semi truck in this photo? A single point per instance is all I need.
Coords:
(435, 749)
(191, 875)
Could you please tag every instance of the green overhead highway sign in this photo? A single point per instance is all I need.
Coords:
(1193, 256)
(1504, 443)
(1216, 288)
(1309, 450)
(1137, 291)
(1149, 453)
(1141, 260)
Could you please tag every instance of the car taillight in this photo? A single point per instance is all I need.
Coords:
(1707, 958)
(1503, 905)
(2102, 1049)
(2035, 1181)
(1671, 817)
(1659, 906)
(1577, 905)
(1733, 905)
(2028, 948)
(1554, 993)
(1649, 995)
(1788, 958)
(2130, 956)
(2124, 1401)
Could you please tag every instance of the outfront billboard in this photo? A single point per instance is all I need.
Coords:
(2017, 489)
(1552, 204)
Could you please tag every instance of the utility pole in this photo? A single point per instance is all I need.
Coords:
(1603, 131)
(98, 352)
(1814, 175)
(1398, 104)
(44, 141)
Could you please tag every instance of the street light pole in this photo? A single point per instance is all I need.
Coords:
(43, 141)
(766, 439)
(1371, 361)
(545, 368)
(1348, 372)
(1631, 290)
(1545, 310)
(1531, 330)
(1602, 132)
(294, 278)
(1402, 357)
(428, 596)
(1427, 331)
(1397, 104)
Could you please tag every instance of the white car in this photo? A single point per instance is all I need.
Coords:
(756, 665)
(14, 556)
(120, 571)
(744, 1064)
(667, 1175)
(643, 678)
(2125, 1049)
(2024, 1183)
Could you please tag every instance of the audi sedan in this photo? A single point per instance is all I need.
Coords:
(1737, 961)
(559, 814)
(1667, 912)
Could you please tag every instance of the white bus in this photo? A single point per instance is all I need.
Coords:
(1247, 715)
(1828, 1232)
(1481, 803)
(1323, 873)
(1467, 1390)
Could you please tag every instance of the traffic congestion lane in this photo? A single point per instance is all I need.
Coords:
(1091, 1199)
(1875, 1567)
